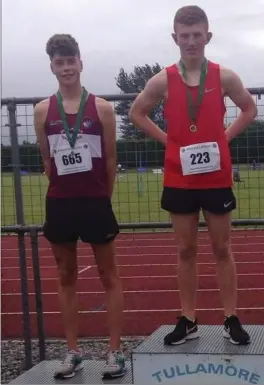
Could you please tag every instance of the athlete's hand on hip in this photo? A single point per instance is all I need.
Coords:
(227, 136)
(47, 168)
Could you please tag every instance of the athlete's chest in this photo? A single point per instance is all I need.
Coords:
(191, 79)
(89, 125)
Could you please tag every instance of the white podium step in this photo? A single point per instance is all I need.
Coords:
(42, 373)
(209, 360)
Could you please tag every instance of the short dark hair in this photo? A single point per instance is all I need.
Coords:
(63, 45)
(190, 15)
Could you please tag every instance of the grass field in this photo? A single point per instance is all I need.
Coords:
(136, 197)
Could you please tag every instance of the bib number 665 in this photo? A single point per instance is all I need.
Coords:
(71, 159)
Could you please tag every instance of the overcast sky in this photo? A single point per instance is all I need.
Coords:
(121, 33)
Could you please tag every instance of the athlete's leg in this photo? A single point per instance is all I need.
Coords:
(99, 227)
(106, 262)
(185, 228)
(217, 206)
(66, 259)
(184, 210)
(60, 230)
(219, 227)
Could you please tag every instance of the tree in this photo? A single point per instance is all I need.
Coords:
(135, 83)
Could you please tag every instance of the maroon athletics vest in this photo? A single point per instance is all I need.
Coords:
(83, 173)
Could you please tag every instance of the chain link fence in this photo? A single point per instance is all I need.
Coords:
(138, 186)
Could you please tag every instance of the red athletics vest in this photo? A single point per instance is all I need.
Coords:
(92, 183)
(190, 152)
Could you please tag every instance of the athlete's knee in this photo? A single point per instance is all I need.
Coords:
(188, 251)
(109, 278)
(221, 250)
(67, 275)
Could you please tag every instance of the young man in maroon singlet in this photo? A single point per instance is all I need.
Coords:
(198, 170)
(76, 132)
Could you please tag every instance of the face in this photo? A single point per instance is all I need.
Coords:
(191, 39)
(67, 69)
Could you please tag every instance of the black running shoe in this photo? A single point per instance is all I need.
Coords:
(235, 332)
(184, 330)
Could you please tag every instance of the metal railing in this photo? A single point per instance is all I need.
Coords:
(24, 185)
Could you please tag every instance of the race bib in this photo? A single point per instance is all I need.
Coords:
(200, 158)
(73, 160)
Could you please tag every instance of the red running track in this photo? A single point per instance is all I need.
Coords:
(148, 268)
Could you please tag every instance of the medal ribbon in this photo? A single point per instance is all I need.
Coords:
(72, 137)
(191, 107)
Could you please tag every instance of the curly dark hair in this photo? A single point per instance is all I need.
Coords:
(190, 15)
(63, 45)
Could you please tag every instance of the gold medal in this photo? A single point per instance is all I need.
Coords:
(193, 128)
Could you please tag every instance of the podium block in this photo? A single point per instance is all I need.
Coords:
(209, 360)
(42, 373)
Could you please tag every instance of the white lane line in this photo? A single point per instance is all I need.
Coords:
(258, 244)
(86, 268)
(140, 311)
(163, 255)
(144, 265)
(141, 291)
(137, 277)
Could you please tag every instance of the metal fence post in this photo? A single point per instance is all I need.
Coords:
(11, 106)
(24, 297)
(38, 292)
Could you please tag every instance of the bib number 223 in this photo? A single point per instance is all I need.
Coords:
(200, 158)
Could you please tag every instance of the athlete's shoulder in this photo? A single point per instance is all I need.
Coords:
(103, 106)
(42, 104)
(229, 79)
(41, 108)
(160, 77)
(227, 73)
(157, 84)
(171, 68)
(105, 112)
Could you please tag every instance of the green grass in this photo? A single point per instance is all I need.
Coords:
(129, 205)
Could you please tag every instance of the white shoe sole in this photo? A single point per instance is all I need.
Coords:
(70, 375)
(108, 375)
(191, 336)
(226, 335)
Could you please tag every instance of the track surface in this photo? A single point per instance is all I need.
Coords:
(148, 268)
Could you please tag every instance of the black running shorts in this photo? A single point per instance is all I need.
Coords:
(187, 201)
(90, 219)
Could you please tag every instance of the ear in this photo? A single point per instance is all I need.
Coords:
(209, 37)
(81, 65)
(51, 68)
(174, 36)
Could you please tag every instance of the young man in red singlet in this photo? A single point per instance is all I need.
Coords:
(76, 132)
(198, 170)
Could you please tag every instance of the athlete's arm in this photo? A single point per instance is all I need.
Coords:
(107, 117)
(235, 90)
(152, 94)
(40, 114)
